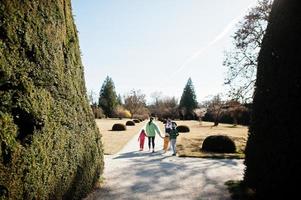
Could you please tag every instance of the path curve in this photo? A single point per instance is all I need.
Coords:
(134, 175)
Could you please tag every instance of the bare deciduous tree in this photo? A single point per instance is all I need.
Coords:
(235, 109)
(200, 112)
(135, 102)
(241, 61)
(216, 107)
(164, 107)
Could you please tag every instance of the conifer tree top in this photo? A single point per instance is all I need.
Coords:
(108, 97)
(188, 98)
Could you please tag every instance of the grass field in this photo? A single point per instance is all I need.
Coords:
(113, 141)
(188, 144)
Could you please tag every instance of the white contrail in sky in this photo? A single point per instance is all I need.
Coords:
(200, 51)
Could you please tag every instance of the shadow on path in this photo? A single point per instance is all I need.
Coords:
(133, 174)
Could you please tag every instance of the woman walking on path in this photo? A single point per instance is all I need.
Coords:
(173, 138)
(151, 130)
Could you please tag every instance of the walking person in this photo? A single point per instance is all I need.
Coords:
(151, 130)
(173, 138)
(141, 139)
(168, 127)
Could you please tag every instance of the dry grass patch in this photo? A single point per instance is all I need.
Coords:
(113, 141)
(189, 144)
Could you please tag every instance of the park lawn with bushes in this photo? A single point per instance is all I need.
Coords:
(114, 141)
(189, 144)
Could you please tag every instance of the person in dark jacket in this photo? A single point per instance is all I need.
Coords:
(173, 138)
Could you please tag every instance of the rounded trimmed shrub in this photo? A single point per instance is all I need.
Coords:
(130, 123)
(136, 121)
(219, 144)
(118, 127)
(183, 129)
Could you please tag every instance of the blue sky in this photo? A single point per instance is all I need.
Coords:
(156, 45)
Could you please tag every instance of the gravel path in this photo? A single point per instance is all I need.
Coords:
(132, 175)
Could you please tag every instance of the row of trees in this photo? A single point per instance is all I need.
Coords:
(134, 105)
(112, 105)
(226, 111)
(169, 107)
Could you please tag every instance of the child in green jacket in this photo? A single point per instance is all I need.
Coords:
(173, 137)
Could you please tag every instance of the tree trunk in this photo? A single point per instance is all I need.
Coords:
(216, 122)
(235, 121)
(50, 145)
(272, 161)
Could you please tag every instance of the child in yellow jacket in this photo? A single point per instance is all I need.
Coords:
(168, 127)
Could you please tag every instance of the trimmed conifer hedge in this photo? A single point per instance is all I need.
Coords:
(50, 145)
(272, 151)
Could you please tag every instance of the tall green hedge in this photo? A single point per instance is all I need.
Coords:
(50, 145)
(272, 152)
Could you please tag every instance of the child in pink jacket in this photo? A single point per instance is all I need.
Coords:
(141, 138)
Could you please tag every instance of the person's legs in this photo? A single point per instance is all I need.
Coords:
(153, 143)
(173, 146)
(142, 144)
(165, 146)
(149, 143)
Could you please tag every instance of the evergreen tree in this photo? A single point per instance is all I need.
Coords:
(272, 158)
(188, 100)
(119, 99)
(107, 97)
(50, 145)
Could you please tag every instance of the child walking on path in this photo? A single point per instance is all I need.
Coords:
(168, 127)
(141, 139)
(173, 138)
